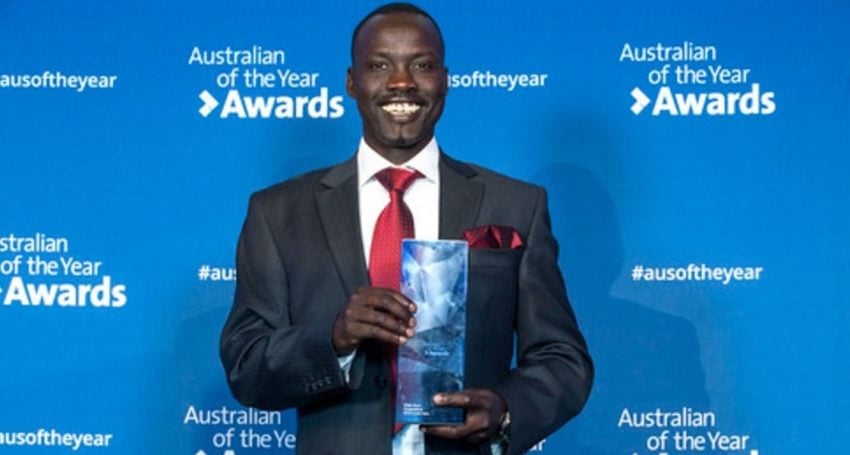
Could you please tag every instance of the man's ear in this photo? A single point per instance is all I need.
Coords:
(349, 84)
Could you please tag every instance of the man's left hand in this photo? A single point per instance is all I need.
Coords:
(485, 410)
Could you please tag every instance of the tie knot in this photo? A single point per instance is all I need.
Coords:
(396, 179)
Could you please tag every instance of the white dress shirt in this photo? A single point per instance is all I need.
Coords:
(422, 197)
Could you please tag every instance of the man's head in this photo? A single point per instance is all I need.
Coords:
(398, 78)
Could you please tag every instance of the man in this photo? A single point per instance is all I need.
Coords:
(307, 330)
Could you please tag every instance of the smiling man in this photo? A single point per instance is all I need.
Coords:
(399, 81)
(317, 315)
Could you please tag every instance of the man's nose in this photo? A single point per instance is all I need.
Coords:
(401, 79)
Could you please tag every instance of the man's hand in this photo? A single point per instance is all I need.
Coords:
(485, 410)
(373, 313)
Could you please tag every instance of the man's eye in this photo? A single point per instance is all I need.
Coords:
(374, 66)
(425, 66)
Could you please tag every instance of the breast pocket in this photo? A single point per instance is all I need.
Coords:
(493, 284)
(491, 307)
(494, 258)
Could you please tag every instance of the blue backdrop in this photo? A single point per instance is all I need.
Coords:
(696, 157)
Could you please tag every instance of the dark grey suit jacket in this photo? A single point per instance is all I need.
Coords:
(300, 256)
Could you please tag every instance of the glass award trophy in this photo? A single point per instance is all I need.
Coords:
(434, 277)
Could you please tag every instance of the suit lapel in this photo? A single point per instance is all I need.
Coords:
(460, 201)
(340, 214)
(460, 197)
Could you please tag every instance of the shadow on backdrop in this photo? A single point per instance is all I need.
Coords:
(644, 359)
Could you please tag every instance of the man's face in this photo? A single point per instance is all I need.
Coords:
(399, 82)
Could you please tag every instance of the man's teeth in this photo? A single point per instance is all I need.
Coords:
(400, 108)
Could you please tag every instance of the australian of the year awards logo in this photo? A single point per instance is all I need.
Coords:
(684, 430)
(688, 79)
(255, 83)
(39, 271)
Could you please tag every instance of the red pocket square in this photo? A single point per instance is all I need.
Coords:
(493, 236)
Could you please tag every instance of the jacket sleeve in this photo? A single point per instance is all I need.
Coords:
(270, 362)
(554, 372)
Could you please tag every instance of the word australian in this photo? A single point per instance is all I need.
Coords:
(38, 243)
(680, 418)
(228, 416)
(685, 52)
(256, 55)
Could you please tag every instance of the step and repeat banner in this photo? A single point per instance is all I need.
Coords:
(697, 158)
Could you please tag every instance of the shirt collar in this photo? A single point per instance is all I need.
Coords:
(369, 162)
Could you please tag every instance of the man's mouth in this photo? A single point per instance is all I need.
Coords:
(400, 109)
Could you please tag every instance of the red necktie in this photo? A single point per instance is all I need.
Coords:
(394, 223)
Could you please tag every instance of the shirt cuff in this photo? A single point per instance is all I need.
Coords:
(345, 365)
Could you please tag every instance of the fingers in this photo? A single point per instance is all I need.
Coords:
(454, 400)
(384, 309)
(391, 302)
(484, 411)
(471, 399)
(367, 331)
(374, 313)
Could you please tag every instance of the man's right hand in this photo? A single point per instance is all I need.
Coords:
(373, 313)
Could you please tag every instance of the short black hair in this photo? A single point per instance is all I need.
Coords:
(393, 8)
